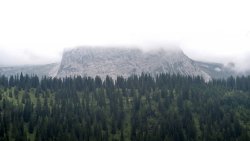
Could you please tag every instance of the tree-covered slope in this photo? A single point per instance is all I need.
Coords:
(167, 108)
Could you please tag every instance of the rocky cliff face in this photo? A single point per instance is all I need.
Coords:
(114, 62)
(88, 61)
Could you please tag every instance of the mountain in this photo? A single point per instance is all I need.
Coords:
(216, 70)
(114, 62)
(92, 61)
(39, 70)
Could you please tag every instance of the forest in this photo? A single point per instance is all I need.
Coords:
(166, 107)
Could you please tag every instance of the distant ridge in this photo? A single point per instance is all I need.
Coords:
(39, 70)
(123, 61)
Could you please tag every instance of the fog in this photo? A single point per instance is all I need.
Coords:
(46, 55)
(38, 32)
(28, 56)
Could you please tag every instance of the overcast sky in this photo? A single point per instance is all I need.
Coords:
(36, 32)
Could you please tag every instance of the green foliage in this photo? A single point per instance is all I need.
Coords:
(164, 108)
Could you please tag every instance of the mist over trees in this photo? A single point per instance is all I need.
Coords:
(163, 108)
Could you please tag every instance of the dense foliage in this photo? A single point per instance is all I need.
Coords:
(162, 108)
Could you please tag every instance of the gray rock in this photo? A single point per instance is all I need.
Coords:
(88, 61)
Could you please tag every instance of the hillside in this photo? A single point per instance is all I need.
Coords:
(168, 108)
(216, 70)
(39, 70)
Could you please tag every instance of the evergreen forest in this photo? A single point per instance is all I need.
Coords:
(166, 107)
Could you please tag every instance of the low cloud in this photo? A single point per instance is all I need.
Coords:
(15, 57)
(44, 55)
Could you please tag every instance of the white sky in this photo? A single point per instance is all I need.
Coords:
(35, 32)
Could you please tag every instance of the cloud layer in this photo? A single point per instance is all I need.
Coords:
(34, 32)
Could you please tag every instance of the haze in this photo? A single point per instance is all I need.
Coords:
(36, 32)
